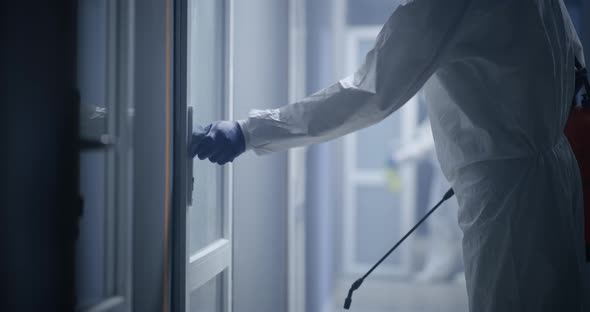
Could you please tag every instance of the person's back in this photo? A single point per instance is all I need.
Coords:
(510, 74)
(515, 62)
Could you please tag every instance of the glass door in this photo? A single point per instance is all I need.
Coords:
(206, 232)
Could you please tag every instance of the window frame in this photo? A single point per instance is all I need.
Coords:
(118, 164)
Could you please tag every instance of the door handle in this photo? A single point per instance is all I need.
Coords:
(190, 182)
(104, 142)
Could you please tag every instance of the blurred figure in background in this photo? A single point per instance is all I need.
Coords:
(443, 253)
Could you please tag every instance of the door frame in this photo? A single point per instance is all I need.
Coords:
(296, 164)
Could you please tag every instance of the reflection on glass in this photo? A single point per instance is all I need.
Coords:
(205, 92)
(209, 297)
(93, 120)
(92, 67)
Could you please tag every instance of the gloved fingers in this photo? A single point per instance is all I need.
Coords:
(224, 159)
(199, 134)
(222, 143)
(216, 156)
(196, 139)
(206, 148)
(224, 156)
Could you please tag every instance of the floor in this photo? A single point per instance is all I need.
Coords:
(403, 296)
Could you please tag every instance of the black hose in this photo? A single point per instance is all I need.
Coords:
(360, 281)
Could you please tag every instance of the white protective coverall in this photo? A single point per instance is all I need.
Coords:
(508, 68)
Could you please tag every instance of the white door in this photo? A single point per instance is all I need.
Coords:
(208, 232)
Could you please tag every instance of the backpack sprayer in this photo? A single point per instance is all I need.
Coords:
(577, 131)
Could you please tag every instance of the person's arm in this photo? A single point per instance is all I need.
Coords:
(410, 47)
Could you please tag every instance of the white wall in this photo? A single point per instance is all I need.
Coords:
(260, 185)
(322, 211)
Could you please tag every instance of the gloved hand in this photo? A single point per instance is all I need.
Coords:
(221, 142)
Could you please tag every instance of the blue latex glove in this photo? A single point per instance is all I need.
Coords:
(221, 142)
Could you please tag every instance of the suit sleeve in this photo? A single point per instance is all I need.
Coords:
(408, 50)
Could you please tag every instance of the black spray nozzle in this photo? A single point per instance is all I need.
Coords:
(448, 194)
(353, 287)
(359, 281)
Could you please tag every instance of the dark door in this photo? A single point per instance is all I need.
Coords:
(38, 162)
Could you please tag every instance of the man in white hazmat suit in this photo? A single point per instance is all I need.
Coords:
(508, 66)
(443, 256)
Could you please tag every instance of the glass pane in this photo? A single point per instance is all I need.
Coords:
(92, 67)
(378, 224)
(375, 144)
(90, 246)
(92, 76)
(206, 95)
(209, 297)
